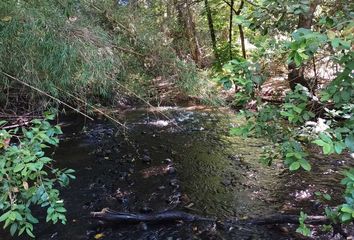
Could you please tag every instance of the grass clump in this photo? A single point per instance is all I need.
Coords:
(94, 51)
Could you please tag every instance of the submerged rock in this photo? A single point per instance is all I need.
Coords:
(146, 159)
(145, 209)
(142, 226)
(171, 170)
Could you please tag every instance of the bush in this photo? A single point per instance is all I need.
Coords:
(27, 176)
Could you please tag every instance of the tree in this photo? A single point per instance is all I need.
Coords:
(296, 73)
(188, 29)
(211, 30)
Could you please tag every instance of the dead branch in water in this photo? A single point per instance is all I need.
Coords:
(165, 216)
(111, 216)
(120, 217)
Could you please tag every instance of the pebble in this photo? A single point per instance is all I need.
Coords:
(226, 182)
(146, 159)
(174, 182)
(142, 226)
(145, 209)
(123, 175)
(171, 170)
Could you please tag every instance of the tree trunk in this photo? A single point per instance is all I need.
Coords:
(212, 31)
(187, 25)
(296, 74)
(230, 28)
(192, 36)
(242, 36)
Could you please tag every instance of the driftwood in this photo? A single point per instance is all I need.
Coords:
(111, 216)
(165, 216)
(171, 215)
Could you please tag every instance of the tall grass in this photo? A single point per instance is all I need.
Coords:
(78, 47)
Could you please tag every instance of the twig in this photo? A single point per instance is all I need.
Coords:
(128, 51)
(16, 125)
(94, 108)
(46, 94)
(139, 97)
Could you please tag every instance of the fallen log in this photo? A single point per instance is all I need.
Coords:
(111, 216)
(124, 217)
(165, 216)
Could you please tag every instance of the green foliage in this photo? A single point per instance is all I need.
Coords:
(346, 212)
(304, 45)
(269, 154)
(323, 196)
(244, 75)
(294, 156)
(295, 108)
(303, 229)
(28, 177)
(259, 123)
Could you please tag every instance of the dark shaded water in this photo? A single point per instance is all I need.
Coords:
(187, 162)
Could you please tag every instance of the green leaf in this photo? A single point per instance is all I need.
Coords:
(346, 217)
(349, 175)
(335, 42)
(327, 196)
(31, 219)
(5, 216)
(349, 142)
(325, 137)
(297, 109)
(29, 232)
(305, 164)
(345, 95)
(319, 142)
(338, 147)
(294, 166)
(19, 167)
(13, 229)
(327, 149)
(60, 209)
(18, 216)
(346, 209)
(29, 134)
(21, 230)
(297, 59)
(236, 131)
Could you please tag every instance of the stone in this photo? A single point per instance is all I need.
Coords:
(146, 159)
(142, 226)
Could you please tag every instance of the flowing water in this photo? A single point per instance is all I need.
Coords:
(178, 159)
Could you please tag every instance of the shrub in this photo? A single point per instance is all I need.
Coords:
(27, 176)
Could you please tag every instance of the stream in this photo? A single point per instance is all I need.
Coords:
(180, 159)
